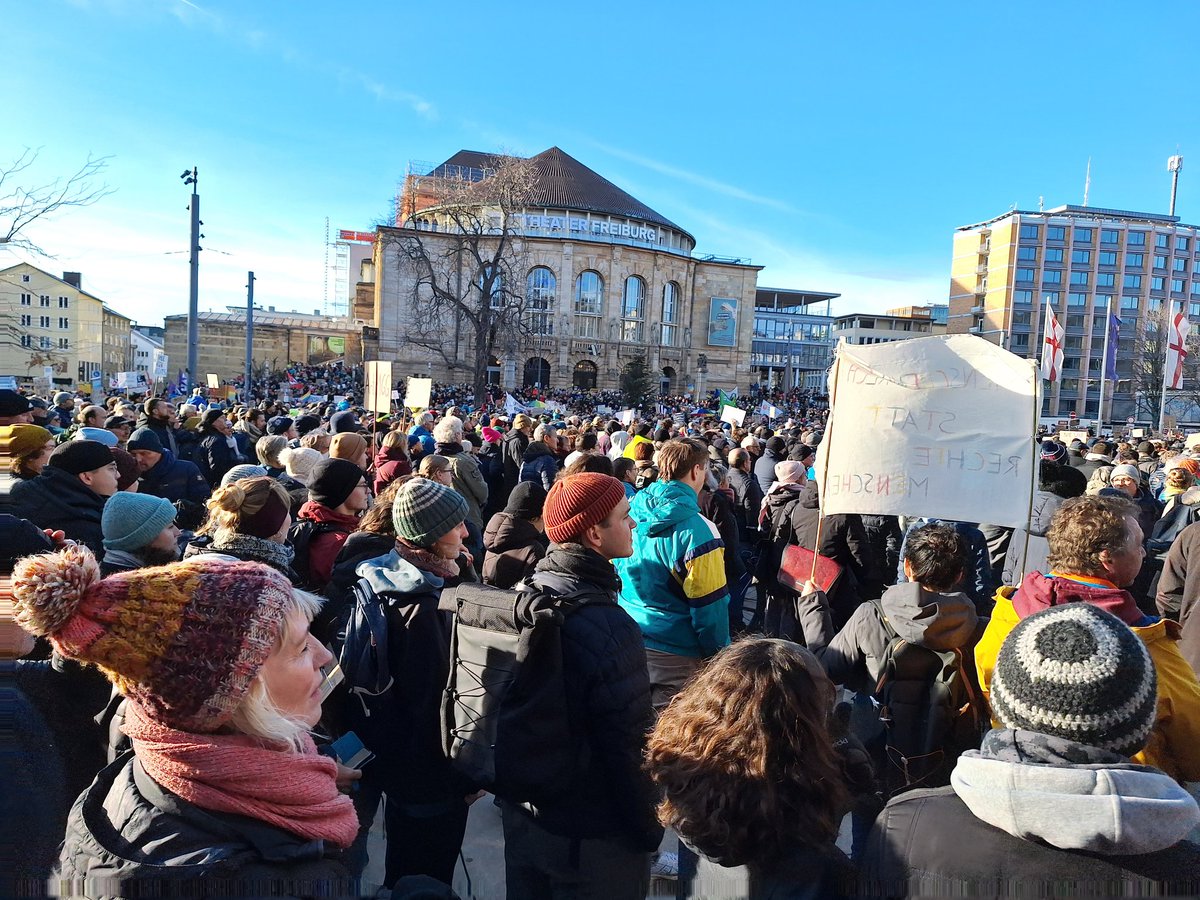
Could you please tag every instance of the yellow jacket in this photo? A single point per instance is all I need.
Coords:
(1174, 744)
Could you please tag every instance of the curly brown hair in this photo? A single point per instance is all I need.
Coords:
(744, 758)
(1083, 528)
(378, 519)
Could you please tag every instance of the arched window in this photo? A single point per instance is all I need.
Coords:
(537, 373)
(540, 290)
(633, 309)
(670, 314)
(667, 381)
(589, 304)
(584, 376)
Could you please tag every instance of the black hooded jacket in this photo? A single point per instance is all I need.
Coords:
(58, 500)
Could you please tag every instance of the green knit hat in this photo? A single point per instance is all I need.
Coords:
(425, 511)
(131, 521)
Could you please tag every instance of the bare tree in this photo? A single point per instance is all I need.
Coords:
(1149, 359)
(21, 205)
(462, 258)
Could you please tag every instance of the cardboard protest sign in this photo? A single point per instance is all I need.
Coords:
(377, 386)
(417, 392)
(1065, 437)
(938, 426)
(733, 415)
(214, 381)
(626, 417)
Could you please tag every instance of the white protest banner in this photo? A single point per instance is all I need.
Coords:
(377, 386)
(733, 415)
(1192, 440)
(939, 426)
(1066, 437)
(160, 364)
(214, 381)
(417, 392)
(625, 417)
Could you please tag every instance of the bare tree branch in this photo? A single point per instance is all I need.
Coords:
(21, 206)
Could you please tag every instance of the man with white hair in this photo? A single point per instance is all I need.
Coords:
(466, 479)
(423, 431)
(539, 462)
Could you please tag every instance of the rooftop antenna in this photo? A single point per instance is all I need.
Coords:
(1087, 181)
(1041, 204)
(1174, 166)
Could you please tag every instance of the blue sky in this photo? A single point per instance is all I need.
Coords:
(837, 145)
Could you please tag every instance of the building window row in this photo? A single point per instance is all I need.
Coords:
(589, 308)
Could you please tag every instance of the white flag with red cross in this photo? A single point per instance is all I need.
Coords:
(1176, 352)
(1052, 347)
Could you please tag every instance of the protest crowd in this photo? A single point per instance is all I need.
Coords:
(238, 634)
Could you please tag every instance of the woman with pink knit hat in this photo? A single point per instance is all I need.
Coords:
(223, 683)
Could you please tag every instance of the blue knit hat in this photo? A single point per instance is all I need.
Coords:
(103, 435)
(425, 511)
(131, 521)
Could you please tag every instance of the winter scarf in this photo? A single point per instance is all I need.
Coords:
(247, 546)
(235, 773)
(426, 560)
(253, 432)
(582, 563)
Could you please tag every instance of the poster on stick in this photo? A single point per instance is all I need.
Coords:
(417, 392)
(940, 426)
(377, 386)
(733, 415)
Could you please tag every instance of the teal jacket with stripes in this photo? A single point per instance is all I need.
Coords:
(674, 584)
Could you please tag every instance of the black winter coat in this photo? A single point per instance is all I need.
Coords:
(166, 434)
(214, 457)
(1179, 591)
(175, 480)
(539, 465)
(747, 501)
(512, 451)
(608, 696)
(927, 843)
(128, 836)
(58, 500)
(513, 547)
(764, 470)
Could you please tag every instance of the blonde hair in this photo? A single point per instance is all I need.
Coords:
(431, 465)
(268, 447)
(257, 715)
(227, 505)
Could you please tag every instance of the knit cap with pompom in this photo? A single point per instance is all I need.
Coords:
(183, 641)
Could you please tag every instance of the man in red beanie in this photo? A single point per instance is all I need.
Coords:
(596, 837)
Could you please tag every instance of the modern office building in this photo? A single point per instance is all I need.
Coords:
(604, 278)
(1083, 261)
(873, 328)
(793, 337)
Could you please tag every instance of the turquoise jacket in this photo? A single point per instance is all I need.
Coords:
(674, 584)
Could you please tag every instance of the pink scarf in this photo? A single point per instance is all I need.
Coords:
(235, 773)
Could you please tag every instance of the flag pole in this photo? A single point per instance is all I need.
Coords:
(1104, 364)
(1162, 400)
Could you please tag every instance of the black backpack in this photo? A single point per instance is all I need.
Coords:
(645, 477)
(300, 535)
(505, 725)
(363, 659)
(931, 709)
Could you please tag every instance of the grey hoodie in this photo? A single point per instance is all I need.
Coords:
(1127, 810)
(854, 655)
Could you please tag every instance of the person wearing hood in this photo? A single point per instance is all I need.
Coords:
(1054, 801)
(619, 440)
(539, 463)
(1096, 551)
(1028, 548)
(515, 538)
(426, 808)
(674, 584)
(163, 475)
(70, 493)
(338, 498)
(764, 467)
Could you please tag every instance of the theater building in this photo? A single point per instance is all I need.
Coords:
(607, 278)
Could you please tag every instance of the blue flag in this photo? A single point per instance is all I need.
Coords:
(1110, 361)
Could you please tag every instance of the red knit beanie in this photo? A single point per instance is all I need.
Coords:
(577, 502)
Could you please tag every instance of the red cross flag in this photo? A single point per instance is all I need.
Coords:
(1176, 354)
(1052, 347)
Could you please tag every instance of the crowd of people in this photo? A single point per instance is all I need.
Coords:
(756, 699)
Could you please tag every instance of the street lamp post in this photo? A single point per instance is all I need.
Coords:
(192, 177)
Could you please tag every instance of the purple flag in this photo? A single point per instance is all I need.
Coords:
(1110, 362)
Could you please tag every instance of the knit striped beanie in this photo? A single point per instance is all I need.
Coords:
(425, 511)
(184, 641)
(1077, 672)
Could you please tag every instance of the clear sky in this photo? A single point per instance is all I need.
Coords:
(838, 145)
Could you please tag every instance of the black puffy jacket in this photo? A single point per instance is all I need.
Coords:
(58, 500)
(127, 836)
(174, 480)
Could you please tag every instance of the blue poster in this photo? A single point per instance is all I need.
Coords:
(722, 322)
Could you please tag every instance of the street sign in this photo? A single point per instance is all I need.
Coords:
(1129, 421)
(96, 374)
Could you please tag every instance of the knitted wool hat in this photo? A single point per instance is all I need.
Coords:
(27, 440)
(300, 463)
(246, 470)
(789, 471)
(527, 500)
(577, 502)
(1126, 470)
(425, 511)
(63, 397)
(144, 439)
(78, 457)
(333, 480)
(347, 445)
(103, 435)
(131, 521)
(306, 423)
(343, 421)
(279, 425)
(1054, 452)
(1076, 672)
(491, 435)
(12, 403)
(182, 641)
(127, 467)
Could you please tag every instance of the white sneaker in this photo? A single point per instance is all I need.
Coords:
(665, 865)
